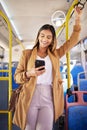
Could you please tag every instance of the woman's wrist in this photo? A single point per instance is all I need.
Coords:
(77, 20)
(78, 13)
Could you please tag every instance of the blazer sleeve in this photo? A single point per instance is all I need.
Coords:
(20, 73)
(73, 40)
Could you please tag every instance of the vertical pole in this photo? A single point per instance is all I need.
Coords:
(10, 68)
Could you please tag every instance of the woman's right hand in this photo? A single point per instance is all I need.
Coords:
(35, 72)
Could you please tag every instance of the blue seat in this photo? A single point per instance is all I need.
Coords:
(61, 68)
(83, 85)
(5, 74)
(76, 112)
(76, 69)
(77, 119)
(5, 67)
(1, 74)
(14, 84)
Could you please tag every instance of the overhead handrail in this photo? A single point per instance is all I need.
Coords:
(81, 4)
(20, 43)
(68, 16)
(68, 54)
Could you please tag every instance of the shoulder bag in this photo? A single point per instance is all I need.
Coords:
(14, 98)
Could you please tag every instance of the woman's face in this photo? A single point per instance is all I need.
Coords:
(45, 38)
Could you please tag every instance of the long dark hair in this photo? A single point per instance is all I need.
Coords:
(52, 46)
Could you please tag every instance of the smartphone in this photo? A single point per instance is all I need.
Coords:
(39, 63)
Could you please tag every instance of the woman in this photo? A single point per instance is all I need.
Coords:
(41, 100)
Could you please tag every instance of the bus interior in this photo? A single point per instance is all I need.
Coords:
(19, 23)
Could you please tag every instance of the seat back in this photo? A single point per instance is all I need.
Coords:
(76, 69)
(14, 84)
(82, 83)
(76, 112)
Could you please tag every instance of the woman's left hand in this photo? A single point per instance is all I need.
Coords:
(78, 11)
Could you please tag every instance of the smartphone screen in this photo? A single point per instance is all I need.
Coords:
(39, 63)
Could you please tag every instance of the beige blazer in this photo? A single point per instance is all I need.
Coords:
(26, 63)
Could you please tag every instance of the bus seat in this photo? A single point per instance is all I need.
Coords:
(61, 66)
(1, 74)
(5, 67)
(76, 69)
(1, 67)
(82, 83)
(14, 84)
(83, 87)
(3, 95)
(5, 73)
(76, 112)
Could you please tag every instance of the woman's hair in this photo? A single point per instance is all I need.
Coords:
(52, 46)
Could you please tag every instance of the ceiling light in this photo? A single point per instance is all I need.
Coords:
(58, 18)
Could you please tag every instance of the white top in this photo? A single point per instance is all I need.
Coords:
(46, 77)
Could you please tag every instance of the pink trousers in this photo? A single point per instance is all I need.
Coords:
(40, 114)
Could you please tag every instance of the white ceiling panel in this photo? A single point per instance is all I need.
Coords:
(29, 15)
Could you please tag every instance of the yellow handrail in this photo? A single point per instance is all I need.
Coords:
(57, 32)
(68, 54)
(10, 71)
(59, 29)
(19, 42)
